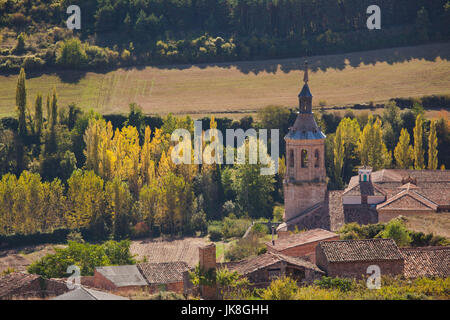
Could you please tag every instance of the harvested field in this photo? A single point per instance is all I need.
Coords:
(244, 87)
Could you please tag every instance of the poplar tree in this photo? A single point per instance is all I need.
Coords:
(432, 148)
(338, 152)
(38, 116)
(419, 162)
(21, 103)
(372, 150)
(404, 153)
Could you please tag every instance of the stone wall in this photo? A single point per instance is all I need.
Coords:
(361, 214)
(357, 269)
(388, 215)
(299, 196)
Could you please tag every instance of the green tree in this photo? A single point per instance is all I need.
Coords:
(72, 54)
(38, 115)
(86, 202)
(404, 153)
(372, 150)
(120, 202)
(419, 162)
(432, 147)
(21, 103)
(397, 231)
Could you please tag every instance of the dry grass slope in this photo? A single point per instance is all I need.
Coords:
(246, 86)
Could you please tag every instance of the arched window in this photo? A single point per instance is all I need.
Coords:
(291, 158)
(316, 158)
(304, 158)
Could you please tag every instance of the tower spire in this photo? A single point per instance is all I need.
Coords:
(305, 78)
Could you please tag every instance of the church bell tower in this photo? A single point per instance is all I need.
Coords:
(305, 180)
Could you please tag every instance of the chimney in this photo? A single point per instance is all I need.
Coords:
(207, 262)
(365, 174)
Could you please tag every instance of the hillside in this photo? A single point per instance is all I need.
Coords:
(246, 86)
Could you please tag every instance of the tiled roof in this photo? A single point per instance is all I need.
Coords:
(157, 251)
(360, 250)
(426, 262)
(305, 128)
(13, 281)
(160, 273)
(253, 264)
(365, 188)
(298, 239)
(123, 276)
(408, 199)
(83, 293)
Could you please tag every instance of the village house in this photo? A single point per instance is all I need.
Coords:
(380, 196)
(262, 269)
(116, 278)
(301, 244)
(164, 276)
(351, 258)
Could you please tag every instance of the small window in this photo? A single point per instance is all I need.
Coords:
(274, 273)
(291, 158)
(304, 160)
(365, 177)
(316, 158)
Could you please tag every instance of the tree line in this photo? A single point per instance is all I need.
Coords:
(186, 31)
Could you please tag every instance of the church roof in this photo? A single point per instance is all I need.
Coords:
(305, 128)
(305, 91)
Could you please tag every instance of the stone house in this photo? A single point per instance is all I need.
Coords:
(301, 244)
(380, 196)
(262, 269)
(351, 258)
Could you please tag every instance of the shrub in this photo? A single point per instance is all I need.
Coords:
(260, 228)
(278, 212)
(396, 230)
(33, 63)
(342, 284)
(215, 233)
(72, 54)
(245, 247)
(233, 227)
(141, 230)
(280, 289)
(75, 236)
(86, 256)
(20, 45)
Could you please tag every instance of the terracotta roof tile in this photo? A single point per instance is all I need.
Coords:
(298, 239)
(427, 262)
(253, 264)
(360, 250)
(13, 281)
(160, 273)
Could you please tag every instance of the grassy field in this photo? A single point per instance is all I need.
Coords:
(243, 87)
